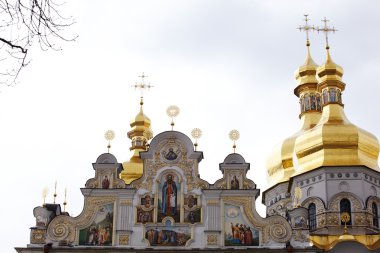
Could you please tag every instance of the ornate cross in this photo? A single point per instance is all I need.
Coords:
(142, 85)
(306, 28)
(326, 29)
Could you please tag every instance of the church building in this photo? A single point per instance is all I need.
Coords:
(324, 181)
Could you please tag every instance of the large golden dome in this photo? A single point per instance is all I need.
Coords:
(280, 165)
(334, 141)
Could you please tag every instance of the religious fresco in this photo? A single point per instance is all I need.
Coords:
(144, 216)
(171, 154)
(237, 231)
(193, 216)
(300, 222)
(147, 201)
(99, 233)
(167, 236)
(168, 197)
(192, 210)
(191, 201)
(234, 183)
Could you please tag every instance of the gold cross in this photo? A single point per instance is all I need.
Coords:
(326, 29)
(142, 85)
(306, 28)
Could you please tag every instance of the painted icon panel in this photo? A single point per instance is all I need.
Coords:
(168, 197)
(99, 233)
(237, 230)
(167, 236)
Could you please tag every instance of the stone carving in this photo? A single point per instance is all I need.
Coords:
(335, 201)
(300, 236)
(38, 236)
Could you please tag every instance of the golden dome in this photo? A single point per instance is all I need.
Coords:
(280, 166)
(133, 169)
(141, 119)
(330, 71)
(306, 73)
(334, 141)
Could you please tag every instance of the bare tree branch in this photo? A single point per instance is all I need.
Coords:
(23, 23)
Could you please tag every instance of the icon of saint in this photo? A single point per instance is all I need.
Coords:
(169, 196)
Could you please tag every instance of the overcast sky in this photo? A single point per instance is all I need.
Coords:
(225, 64)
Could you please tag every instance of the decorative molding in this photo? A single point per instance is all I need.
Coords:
(126, 202)
(213, 202)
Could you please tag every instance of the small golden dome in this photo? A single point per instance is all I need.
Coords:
(133, 169)
(330, 71)
(305, 74)
(141, 118)
(334, 141)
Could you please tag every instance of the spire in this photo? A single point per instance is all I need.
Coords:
(306, 77)
(330, 73)
(140, 126)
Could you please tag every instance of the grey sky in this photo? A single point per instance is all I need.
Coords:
(226, 64)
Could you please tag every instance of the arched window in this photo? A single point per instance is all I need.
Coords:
(318, 99)
(332, 95)
(307, 102)
(302, 104)
(138, 142)
(345, 207)
(375, 215)
(312, 102)
(312, 217)
(325, 97)
(339, 96)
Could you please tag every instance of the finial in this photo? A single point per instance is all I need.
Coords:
(234, 136)
(196, 133)
(142, 85)
(172, 112)
(345, 217)
(65, 201)
(109, 135)
(306, 28)
(326, 29)
(45, 192)
(55, 191)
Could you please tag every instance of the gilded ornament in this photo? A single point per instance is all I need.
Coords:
(212, 239)
(123, 239)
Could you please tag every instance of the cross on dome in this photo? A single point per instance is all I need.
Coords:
(326, 30)
(306, 28)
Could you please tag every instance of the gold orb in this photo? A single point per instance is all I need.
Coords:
(345, 217)
(196, 133)
(109, 135)
(172, 111)
(234, 135)
(148, 134)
